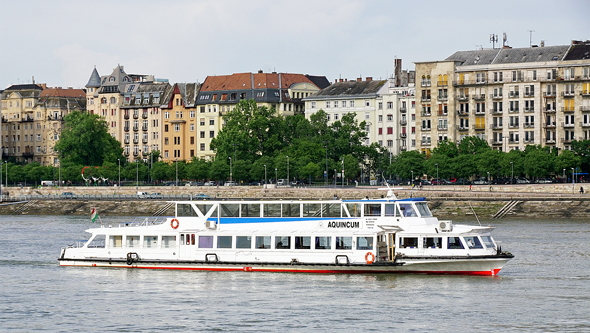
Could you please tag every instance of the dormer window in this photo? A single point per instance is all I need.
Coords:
(112, 79)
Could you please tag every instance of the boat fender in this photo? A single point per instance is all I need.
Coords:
(369, 258)
(174, 223)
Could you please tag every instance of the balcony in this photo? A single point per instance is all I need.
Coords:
(135, 115)
(425, 114)
(403, 135)
(549, 110)
(442, 83)
(402, 109)
(567, 94)
(126, 153)
(425, 99)
(144, 115)
(463, 128)
(567, 140)
(27, 119)
(403, 122)
(480, 112)
(514, 125)
(54, 118)
(528, 125)
(403, 148)
(479, 127)
(549, 94)
(496, 126)
(443, 98)
(135, 153)
(585, 93)
(144, 140)
(425, 84)
(529, 94)
(144, 128)
(549, 125)
(126, 116)
(550, 141)
(497, 141)
(442, 128)
(135, 141)
(528, 140)
(28, 154)
(568, 125)
(146, 153)
(512, 141)
(442, 113)
(425, 142)
(530, 110)
(126, 141)
(425, 129)
(513, 94)
(462, 112)
(481, 97)
(584, 108)
(496, 111)
(463, 98)
(515, 110)
(126, 128)
(586, 125)
(4, 120)
(567, 109)
(497, 97)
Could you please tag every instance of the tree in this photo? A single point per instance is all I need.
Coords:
(567, 160)
(85, 140)
(409, 161)
(538, 161)
(472, 144)
(312, 170)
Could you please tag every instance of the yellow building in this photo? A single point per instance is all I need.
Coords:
(179, 124)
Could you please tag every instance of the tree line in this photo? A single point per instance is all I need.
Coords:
(255, 139)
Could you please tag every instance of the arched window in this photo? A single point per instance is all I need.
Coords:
(112, 79)
(440, 80)
(103, 100)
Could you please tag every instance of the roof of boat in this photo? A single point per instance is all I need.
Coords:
(211, 201)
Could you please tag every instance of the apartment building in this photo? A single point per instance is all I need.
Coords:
(511, 97)
(180, 136)
(283, 92)
(32, 120)
(387, 108)
(121, 99)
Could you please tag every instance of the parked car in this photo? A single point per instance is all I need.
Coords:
(282, 182)
(522, 180)
(437, 181)
(143, 195)
(210, 183)
(156, 195)
(68, 195)
(394, 182)
(480, 181)
(255, 183)
(544, 181)
(201, 196)
(462, 181)
(230, 183)
(191, 184)
(501, 181)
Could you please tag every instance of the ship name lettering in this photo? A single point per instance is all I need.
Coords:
(347, 224)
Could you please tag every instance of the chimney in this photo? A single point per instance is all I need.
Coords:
(369, 78)
(398, 72)
(336, 81)
(359, 79)
(260, 71)
(341, 80)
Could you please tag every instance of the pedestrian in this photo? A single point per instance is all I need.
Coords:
(469, 187)
(581, 190)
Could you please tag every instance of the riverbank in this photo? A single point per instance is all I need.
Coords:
(527, 201)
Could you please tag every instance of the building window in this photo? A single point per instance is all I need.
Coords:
(166, 128)
(389, 130)
(202, 134)
(211, 134)
(202, 147)
(176, 127)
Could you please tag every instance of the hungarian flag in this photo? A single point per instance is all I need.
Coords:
(93, 215)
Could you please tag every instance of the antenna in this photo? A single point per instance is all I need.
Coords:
(493, 40)
(531, 37)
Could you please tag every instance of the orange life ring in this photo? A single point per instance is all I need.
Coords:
(369, 257)
(174, 223)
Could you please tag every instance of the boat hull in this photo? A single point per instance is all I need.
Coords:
(488, 266)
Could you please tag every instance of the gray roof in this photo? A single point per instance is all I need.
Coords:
(94, 81)
(579, 52)
(351, 88)
(509, 55)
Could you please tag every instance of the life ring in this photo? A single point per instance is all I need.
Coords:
(174, 223)
(369, 258)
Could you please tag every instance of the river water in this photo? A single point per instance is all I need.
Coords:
(545, 288)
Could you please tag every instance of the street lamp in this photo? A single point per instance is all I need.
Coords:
(176, 171)
(343, 172)
(137, 175)
(573, 182)
(230, 170)
(288, 181)
(512, 177)
(119, 184)
(276, 177)
(265, 176)
(563, 173)
(437, 179)
(326, 174)
(412, 184)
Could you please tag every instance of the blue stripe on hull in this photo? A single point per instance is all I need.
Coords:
(233, 220)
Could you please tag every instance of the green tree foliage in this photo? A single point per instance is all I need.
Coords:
(409, 161)
(85, 140)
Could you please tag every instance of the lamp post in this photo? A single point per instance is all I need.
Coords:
(288, 180)
(563, 173)
(230, 170)
(326, 173)
(119, 183)
(1, 166)
(343, 172)
(489, 182)
(437, 179)
(265, 176)
(176, 171)
(573, 182)
(412, 184)
(276, 177)
(137, 175)
(335, 178)
(512, 177)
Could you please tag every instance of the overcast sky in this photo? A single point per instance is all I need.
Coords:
(60, 42)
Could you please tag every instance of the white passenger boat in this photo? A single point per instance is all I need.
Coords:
(384, 235)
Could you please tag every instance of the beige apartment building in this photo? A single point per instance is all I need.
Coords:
(180, 135)
(32, 121)
(130, 104)
(219, 94)
(511, 97)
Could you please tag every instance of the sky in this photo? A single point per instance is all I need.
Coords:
(59, 42)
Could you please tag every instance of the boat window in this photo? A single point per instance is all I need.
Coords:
(224, 242)
(243, 242)
(263, 242)
(205, 242)
(354, 209)
(473, 242)
(97, 242)
(311, 210)
(181, 239)
(432, 242)
(408, 242)
(302, 243)
(391, 210)
(343, 243)
(291, 210)
(229, 210)
(168, 241)
(454, 243)
(331, 210)
(150, 241)
(407, 210)
(423, 209)
(323, 243)
(250, 210)
(205, 209)
(488, 241)
(282, 242)
(272, 210)
(373, 209)
(115, 241)
(364, 243)
(185, 210)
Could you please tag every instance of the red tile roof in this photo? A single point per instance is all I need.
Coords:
(240, 81)
(60, 92)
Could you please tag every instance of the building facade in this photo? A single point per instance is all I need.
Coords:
(180, 136)
(32, 121)
(511, 97)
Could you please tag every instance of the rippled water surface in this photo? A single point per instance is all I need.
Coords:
(545, 288)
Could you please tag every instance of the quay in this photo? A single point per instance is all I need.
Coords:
(446, 201)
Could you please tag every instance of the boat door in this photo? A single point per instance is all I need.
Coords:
(391, 246)
(187, 246)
